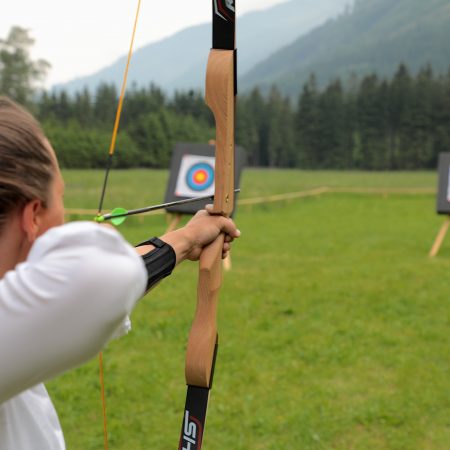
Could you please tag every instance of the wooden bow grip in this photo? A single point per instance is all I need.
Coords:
(203, 334)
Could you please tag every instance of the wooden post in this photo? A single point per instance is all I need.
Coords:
(440, 238)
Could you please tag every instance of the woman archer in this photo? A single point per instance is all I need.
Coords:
(65, 289)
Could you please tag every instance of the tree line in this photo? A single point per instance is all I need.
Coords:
(400, 123)
(373, 123)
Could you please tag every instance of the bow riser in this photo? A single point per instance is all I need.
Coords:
(220, 97)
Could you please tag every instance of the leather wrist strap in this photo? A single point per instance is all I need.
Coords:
(159, 262)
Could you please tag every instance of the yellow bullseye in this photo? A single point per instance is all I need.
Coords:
(200, 176)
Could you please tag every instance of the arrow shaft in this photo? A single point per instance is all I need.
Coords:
(133, 212)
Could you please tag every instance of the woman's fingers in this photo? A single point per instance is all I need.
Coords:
(228, 227)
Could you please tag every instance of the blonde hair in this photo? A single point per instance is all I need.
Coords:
(26, 164)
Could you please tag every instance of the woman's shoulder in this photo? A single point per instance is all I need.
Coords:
(80, 234)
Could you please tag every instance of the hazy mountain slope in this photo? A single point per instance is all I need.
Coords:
(375, 36)
(179, 62)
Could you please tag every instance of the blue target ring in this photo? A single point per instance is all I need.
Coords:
(200, 177)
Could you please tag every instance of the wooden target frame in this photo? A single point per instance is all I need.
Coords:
(190, 177)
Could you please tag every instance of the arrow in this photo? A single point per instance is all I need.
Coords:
(118, 215)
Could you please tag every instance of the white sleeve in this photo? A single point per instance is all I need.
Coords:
(61, 306)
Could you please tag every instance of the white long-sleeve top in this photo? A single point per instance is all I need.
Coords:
(57, 310)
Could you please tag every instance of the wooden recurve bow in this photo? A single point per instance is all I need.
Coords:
(221, 90)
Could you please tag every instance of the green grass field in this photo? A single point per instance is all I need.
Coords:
(334, 324)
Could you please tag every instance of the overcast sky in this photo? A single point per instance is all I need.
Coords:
(78, 37)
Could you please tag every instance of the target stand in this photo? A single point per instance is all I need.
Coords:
(192, 175)
(443, 201)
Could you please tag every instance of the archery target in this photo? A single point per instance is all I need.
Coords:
(448, 185)
(443, 197)
(196, 176)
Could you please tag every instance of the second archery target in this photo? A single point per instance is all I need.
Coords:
(443, 197)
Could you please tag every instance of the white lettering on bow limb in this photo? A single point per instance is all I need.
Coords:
(216, 10)
(230, 4)
(190, 433)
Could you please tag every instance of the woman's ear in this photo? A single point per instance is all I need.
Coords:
(31, 219)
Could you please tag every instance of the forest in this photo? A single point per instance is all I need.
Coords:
(401, 123)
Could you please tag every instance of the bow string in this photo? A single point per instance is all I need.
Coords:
(111, 151)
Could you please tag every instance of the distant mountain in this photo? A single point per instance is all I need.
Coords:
(375, 35)
(179, 62)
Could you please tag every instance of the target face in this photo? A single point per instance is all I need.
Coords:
(196, 176)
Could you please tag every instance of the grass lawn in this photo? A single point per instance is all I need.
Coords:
(334, 324)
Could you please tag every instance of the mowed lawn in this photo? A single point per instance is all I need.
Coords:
(334, 324)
